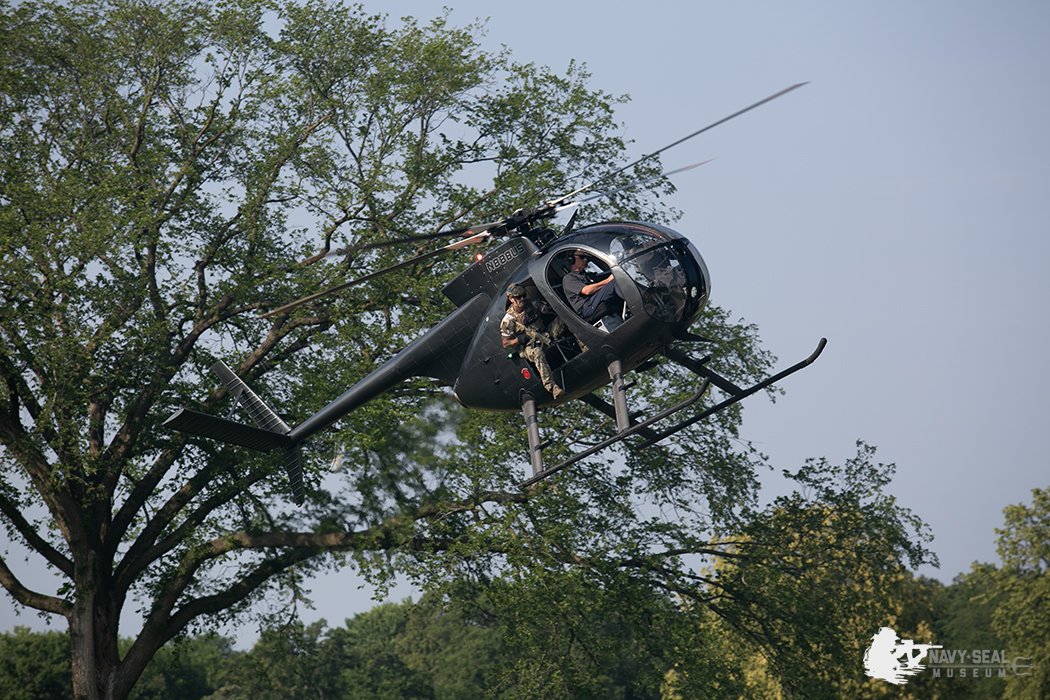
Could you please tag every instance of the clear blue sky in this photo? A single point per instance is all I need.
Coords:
(897, 205)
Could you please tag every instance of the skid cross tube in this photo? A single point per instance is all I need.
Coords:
(740, 395)
(637, 428)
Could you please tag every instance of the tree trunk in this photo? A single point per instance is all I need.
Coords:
(93, 631)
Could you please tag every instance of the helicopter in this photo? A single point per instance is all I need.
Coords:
(662, 285)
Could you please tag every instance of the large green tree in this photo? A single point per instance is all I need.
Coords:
(1022, 594)
(170, 168)
(34, 665)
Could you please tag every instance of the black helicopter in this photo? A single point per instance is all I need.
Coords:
(662, 283)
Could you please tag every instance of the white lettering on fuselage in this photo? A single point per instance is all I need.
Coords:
(493, 264)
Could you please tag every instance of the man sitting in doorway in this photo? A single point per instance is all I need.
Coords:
(591, 300)
(522, 328)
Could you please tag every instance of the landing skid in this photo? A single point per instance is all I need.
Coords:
(630, 427)
(636, 428)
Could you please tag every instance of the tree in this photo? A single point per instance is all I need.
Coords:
(37, 665)
(1022, 590)
(155, 158)
(168, 169)
(187, 668)
(461, 651)
(964, 620)
(34, 665)
(395, 650)
(370, 659)
(810, 577)
(292, 660)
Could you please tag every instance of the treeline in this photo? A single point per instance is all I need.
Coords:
(457, 646)
(418, 650)
(425, 650)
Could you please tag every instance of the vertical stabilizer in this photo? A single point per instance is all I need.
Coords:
(271, 433)
(262, 414)
(267, 419)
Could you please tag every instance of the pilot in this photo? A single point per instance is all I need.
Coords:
(523, 328)
(591, 300)
(662, 283)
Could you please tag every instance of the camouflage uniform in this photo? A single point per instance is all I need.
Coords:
(527, 323)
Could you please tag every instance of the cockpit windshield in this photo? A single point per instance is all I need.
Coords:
(664, 271)
(666, 277)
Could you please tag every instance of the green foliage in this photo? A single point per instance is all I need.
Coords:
(189, 668)
(963, 614)
(584, 633)
(1022, 587)
(287, 662)
(391, 651)
(367, 652)
(455, 644)
(812, 575)
(35, 665)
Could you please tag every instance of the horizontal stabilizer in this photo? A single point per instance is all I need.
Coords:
(272, 433)
(197, 423)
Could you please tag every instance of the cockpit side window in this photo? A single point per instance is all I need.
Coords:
(590, 289)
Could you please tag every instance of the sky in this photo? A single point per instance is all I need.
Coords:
(897, 205)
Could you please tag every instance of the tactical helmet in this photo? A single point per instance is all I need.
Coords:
(515, 290)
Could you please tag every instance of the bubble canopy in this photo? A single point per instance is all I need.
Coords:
(667, 271)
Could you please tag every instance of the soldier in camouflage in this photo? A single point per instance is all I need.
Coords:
(523, 329)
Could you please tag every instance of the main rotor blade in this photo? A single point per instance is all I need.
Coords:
(462, 231)
(637, 183)
(456, 245)
(644, 158)
(438, 233)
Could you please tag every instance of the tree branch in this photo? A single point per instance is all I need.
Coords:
(30, 598)
(195, 484)
(122, 445)
(158, 630)
(63, 508)
(142, 554)
(19, 388)
(382, 536)
(33, 538)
